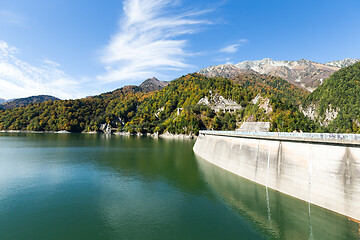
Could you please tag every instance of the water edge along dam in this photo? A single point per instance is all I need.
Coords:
(319, 168)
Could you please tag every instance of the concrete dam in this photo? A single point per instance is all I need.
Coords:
(321, 169)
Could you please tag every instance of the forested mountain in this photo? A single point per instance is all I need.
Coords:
(120, 93)
(333, 107)
(174, 109)
(2, 100)
(336, 103)
(271, 86)
(149, 85)
(22, 102)
(71, 115)
(186, 92)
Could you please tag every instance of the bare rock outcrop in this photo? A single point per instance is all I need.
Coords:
(219, 103)
(303, 73)
(263, 103)
(312, 112)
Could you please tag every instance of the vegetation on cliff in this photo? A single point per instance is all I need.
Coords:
(339, 95)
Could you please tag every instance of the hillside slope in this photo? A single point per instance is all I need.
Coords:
(175, 108)
(22, 102)
(271, 86)
(336, 103)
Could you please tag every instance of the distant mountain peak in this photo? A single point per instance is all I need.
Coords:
(342, 63)
(2, 100)
(303, 73)
(152, 84)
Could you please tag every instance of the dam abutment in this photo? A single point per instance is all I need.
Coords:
(322, 171)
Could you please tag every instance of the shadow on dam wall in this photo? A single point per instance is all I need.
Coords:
(325, 173)
(278, 215)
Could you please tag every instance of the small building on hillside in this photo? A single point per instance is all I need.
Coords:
(219, 103)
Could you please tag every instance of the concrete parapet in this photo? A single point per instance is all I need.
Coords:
(324, 172)
(254, 127)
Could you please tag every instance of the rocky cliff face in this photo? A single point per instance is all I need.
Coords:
(225, 70)
(219, 103)
(263, 103)
(303, 73)
(342, 63)
(312, 112)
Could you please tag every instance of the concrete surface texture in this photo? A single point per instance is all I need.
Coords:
(326, 175)
(277, 215)
(254, 127)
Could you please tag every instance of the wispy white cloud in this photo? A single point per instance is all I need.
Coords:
(20, 79)
(233, 48)
(150, 39)
(9, 17)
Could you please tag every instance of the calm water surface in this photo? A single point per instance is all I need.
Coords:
(55, 186)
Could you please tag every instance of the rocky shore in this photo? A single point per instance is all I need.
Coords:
(157, 135)
(177, 136)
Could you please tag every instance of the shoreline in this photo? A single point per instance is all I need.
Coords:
(26, 131)
(156, 135)
(165, 135)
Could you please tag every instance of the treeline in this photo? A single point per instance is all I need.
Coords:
(133, 110)
(74, 115)
(272, 87)
(22, 102)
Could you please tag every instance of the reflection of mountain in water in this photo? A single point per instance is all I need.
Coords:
(278, 215)
(153, 159)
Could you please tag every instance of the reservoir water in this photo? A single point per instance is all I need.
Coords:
(77, 186)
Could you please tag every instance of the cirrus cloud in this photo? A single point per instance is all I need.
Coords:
(150, 36)
(233, 48)
(11, 18)
(20, 79)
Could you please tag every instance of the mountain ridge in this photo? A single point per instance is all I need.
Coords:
(342, 63)
(178, 108)
(23, 102)
(303, 73)
(174, 109)
(147, 86)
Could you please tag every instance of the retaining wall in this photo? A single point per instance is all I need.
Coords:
(324, 172)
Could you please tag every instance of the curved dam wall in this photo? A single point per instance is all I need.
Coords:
(324, 172)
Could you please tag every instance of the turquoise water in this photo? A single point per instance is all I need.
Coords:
(76, 186)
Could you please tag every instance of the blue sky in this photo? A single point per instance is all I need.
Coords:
(76, 48)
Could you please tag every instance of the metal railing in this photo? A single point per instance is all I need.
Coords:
(342, 136)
